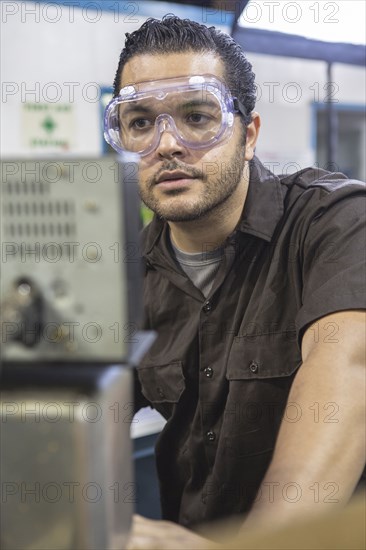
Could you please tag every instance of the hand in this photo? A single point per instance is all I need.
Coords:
(150, 534)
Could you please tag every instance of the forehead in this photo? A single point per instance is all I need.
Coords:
(155, 67)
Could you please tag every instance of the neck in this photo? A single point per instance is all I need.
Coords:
(210, 231)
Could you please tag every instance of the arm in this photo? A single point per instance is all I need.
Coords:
(321, 455)
(325, 446)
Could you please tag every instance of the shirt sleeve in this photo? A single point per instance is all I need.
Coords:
(333, 257)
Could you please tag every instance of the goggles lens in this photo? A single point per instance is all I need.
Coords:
(198, 110)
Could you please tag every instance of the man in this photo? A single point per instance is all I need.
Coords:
(254, 286)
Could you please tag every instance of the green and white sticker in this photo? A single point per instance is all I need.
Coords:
(48, 127)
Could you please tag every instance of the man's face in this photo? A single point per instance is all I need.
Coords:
(176, 182)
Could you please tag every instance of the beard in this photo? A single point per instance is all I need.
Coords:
(220, 180)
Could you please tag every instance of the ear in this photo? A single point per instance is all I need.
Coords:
(252, 136)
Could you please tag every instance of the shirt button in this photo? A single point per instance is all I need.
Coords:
(207, 307)
(211, 436)
(160, 392)
(208, 372)
(253, 366)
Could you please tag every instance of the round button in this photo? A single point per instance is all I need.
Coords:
(253, 366)
(211, 436)
(160, 391)
(207, 307)
(208, 372)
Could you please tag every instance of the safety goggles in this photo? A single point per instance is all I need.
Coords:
(198, 110)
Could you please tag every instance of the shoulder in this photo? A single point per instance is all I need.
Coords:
(314, 193)
(286, 203)
(321, 184)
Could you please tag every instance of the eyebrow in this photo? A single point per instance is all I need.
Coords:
(198, 102)
(135, 106)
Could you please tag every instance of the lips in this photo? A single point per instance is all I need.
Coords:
(172, 176)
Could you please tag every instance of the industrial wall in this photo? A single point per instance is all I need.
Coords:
(56, 58)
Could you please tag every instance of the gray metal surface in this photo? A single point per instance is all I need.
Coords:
(66, 468)
(70, 304)
(62, 229)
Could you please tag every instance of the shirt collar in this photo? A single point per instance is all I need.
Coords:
(263, 207)
(262, 210)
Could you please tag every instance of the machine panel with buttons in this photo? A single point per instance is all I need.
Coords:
(69, 246)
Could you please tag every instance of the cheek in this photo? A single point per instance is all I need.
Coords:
(216, 160)
(145, 173)
(229, 150)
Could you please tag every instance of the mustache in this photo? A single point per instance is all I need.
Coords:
(170, 166)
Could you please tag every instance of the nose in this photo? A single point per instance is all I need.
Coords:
(169, 145)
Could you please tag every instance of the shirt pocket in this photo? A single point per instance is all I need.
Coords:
(162, 383)
(260, 374)
(274, 355)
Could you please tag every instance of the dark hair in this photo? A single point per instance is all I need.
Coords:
(175, 35)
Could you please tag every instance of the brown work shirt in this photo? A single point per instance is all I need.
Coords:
(221, 368)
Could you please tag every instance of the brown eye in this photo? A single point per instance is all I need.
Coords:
(197, 118)
(140, 123)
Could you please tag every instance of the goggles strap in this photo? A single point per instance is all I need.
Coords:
(239, 107)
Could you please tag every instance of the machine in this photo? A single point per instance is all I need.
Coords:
(70, 336)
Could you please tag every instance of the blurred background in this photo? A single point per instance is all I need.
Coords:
(58, 61)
